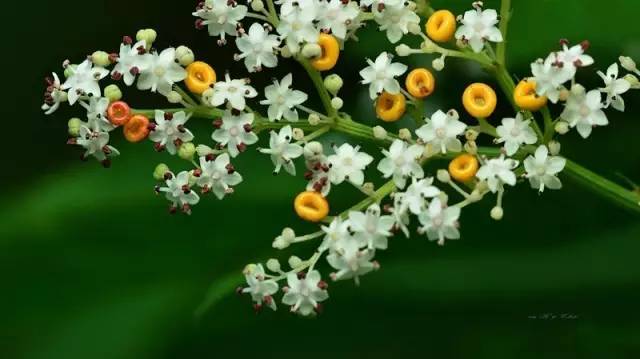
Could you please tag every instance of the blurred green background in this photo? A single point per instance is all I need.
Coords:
(92, 266)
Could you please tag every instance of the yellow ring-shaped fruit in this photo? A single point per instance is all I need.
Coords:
(390, 108)
(200, 77)
(463, 168)
(441, 26)
(330, 53)
(479, 100)
(526, 98)
(311, 206)
(420, 83)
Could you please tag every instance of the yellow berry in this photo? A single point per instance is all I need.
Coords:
(526, 98)
(390, 108)
(479, 100)
(330, 53)
(420, 83)
(311, 206)
(441, 26)
(200, 77)
(463, 168)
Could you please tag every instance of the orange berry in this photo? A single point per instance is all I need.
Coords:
(441, 26)
(330, 53)
(463, 168)
(526, 98)
(311, 206)
(118, 113)
(420, 83)
(390, 108)
(200, 77)
(137, 128)
(479, 100)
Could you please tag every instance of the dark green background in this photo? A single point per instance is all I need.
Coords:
(91, 266)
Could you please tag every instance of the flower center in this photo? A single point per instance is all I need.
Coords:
(159, 71)
(233, 131)
(585, 111)
(515, 132)
(441, 133)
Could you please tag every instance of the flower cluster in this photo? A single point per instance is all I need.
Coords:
(406, 187)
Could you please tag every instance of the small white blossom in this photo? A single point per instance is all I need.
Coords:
(233, 92)
(297, 23)
(395, 19)
(336, 233)
(84, 81)
(515, 132)
(442, 131)
(542, 169)
(259, 287)
(415, 197)
(400, 212)
(337, 16)
(258, 48)
(371, 229)
(97, 114)
(95, 144)
(304, 294)
(282, 100)
(169, 131)
(550, 77)
(614, 87)
(218, 175)
(235, 132)
(54, 95)
(440, 222)
(584, 110)
(221, 16)
(162, 73)
(178, 191)
(351, 262)
(477, 27)
(573, 57)
(348, 163)
(132, 61)
(282, 151)
(497, 172)
(381, 74)
(401, 161)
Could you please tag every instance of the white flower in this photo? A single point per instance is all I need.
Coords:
(232, 91)
(401, 161)
(97, 118)
(282, 100)
(297, 23)
(132, 61)
(162, 73)
(584, 110)
(221, 16)
(414, 198)
(440, 222)
(400, 213)
(95, 144)
(614, 87)
(351, 262)
(84, 81)
(318, 174)
(235, 132)
(258, 48)
(497, 172)
(381, 75)
(573, 57)
(477, 27)
(542, 169)
(304, 294)
(549, 77)
(371, 229)
(260, 288)
(178, 191)
(218, 175)
(348, 163)
(282, 151)
(337, 16)
(514, 132)
(396, 20)
(442, 132)
(53, 95)
(336, 233)
(169, 131)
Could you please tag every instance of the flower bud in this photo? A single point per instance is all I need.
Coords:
(69, 70)
(148, 35)
(294, 262)
(184, 55)
(204, 150)
(414, 28)
(274, 265)
(74, 127)
(337, 103)
(207, 96)
(562, 127)
(280, 244)
(249, 268)
(403, 50)
(471, 147)
(554, 148)
(633, 81)
(160, 171)
(285, 52)
(314, 119)
(404, 134)
(313, 149)
(257, 5)
(628, 63)
(333, 83)
(186, 151)
(368, 187)
(438, 64)
(174, 97)
(444, 176)
(379, 132)
(100, 58)
(497, 213)
(311, 50)
(471, 135)
(113, 93)
(298, 134)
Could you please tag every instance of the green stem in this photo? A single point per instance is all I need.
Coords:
(273, 15)
(548, 125)
(505, 16)
(316, 78)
